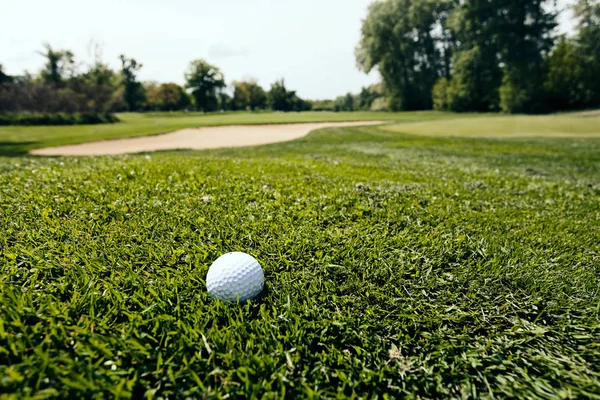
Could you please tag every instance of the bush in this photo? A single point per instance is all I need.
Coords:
(89, 119)
(34, 118)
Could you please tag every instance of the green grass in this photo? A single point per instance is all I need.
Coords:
(416, 266)
(560, 125)
(18, 140)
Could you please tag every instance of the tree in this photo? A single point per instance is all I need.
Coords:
(4, 78)
(133, 91)
(205, 81)
(368, 95)
(248, 95)
(475, 81)
(525, 38)
(345, 103)
(406, 41)
(491, 53)
(241, 96)
(500, 54)
(300, 104)
(98, 84)
(168, 97)
(225, 101)
(280, 99)
(101, 74)
(574, 64)
(587, 12)
(564, 76)
(477, 74)
(60, 65)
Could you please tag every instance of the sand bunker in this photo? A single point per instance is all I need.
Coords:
(197, 139)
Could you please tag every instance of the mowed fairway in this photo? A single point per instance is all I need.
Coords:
(490, 126)
(418, 265)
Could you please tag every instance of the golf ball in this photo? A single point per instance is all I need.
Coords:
(233, 276)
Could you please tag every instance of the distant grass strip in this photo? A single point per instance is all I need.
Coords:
(499, 126)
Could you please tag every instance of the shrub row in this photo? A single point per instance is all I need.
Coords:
(36, 118)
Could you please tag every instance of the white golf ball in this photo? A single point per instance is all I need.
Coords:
(233, 276)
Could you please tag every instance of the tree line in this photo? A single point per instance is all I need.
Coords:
(371, 98)
(482, 55)
(61, 87)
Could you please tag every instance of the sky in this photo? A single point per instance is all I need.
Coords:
(309, 43)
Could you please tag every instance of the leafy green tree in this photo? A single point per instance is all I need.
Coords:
(133, 91)
(4, 78)
(248, 95)
(525, 37)
(445, 38)
(574, 64)
(499, 56)
(345, 103)
(405, 40)
(475, 82)
(225, 101)
(258, 97)
(476, 73)
(168, 97)
(280, 99)
(367, 96)
(301, 104)
(587, 12)
(241, 96)
(564, 84)
(101, 74)
(98, 84)
(205, 81)
(60, 66)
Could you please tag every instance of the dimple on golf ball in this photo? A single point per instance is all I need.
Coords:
(233, 276)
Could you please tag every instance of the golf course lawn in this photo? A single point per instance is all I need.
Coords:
(404, 259)
(502, 126)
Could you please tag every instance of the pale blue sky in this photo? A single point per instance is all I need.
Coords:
(310, 43)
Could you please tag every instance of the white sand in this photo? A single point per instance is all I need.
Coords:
(197, 139)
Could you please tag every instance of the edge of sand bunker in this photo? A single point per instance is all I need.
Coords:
(214, 137)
